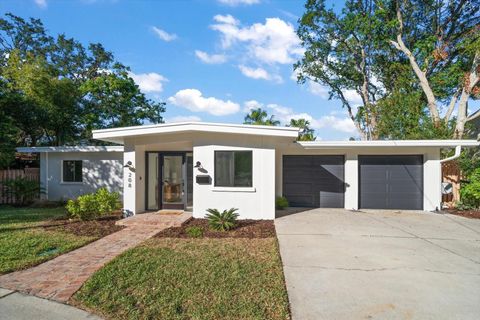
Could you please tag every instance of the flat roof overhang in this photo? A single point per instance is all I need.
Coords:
(387, 144)
(118, 135)
(70, 149)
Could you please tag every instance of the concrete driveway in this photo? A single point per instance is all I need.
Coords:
(380, 264)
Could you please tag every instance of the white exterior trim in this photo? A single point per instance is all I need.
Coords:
(71, 149)
(117, 135)
(387, 143)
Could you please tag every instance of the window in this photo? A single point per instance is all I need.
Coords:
(233, 168)
(72, 170)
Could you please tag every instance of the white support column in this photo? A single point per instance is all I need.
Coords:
(432, 180)
(129, 181)
(351, 181)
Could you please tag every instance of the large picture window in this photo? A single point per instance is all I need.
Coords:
(233, 168)
(72, 170)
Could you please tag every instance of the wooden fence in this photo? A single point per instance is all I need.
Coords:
(5, 175)
(451, 173)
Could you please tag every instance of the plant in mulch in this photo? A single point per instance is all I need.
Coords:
(24, 191)
(194, 232)
(470, 192)
(93, 205)
(281, 203)
(222, 221)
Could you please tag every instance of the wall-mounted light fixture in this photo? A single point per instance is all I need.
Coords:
(200, 168)
(130, 166)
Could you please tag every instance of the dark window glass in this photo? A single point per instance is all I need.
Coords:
(72, 171)
(233, 168)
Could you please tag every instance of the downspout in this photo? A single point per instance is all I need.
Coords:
(458, 151)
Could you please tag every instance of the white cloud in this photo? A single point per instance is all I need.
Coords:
(259, 73)
(251, 104)
(272, 42)
(234, 3)
(149, 82)
(162, 34)
(183, 119)
(41, 3)
(193, 100)
(318, 89)
(353, 98)
(327, 122)
(210, 58)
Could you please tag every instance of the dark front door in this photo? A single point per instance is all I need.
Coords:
(391, 182)
(168, 184)
(314, 181)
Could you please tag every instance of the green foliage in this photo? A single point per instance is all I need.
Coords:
(222, 221)
(470, 191)
(260, 117)
(55, 91)
(281, 203)
(306, 133)
(352, 51)
(469, 161)
(93, 205)
(23, 190)
(194, 232)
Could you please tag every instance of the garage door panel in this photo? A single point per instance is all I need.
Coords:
(391, 182)
(324, 175)
(298, 188)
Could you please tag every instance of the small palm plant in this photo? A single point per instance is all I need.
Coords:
(222, 221)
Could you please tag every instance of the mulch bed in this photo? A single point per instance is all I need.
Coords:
(473, 214)
(244, 229)
(100, 227)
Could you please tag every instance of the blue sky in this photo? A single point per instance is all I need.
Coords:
(210, 60)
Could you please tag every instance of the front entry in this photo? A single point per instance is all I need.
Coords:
(168, 180)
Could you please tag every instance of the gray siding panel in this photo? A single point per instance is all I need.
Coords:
(314, 181)
(391, 182)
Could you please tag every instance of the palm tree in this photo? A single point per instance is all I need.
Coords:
(306, 133)
(260, 117)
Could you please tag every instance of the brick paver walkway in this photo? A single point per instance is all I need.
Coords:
(60, 278)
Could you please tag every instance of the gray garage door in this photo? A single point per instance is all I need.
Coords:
(391, 182)
(314, 181)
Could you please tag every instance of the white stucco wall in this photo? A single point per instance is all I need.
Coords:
(100, 169)
(431, 170)
(257, 202)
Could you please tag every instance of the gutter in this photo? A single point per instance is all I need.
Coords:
(458, 151)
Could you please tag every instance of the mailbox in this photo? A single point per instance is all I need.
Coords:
(203, 179)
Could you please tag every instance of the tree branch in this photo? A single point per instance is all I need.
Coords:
(451, 106)
(473, 116)
(400, 45)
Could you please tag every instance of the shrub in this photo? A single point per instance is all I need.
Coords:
(93, 205)
(222, 221)
(23, 190)
(194, 232)
(281, 203)
(470, 191)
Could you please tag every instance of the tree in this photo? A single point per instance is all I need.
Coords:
(340, 54)
(260, 117)
(55, 91)
(442, 43)
(306, 133)
(412, 56)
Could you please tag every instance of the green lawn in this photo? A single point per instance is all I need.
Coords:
(172, 278)
(23, 243)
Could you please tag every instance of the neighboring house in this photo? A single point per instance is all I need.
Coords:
(67, 172)
(198, 166)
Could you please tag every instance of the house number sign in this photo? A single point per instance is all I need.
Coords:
(129, 180)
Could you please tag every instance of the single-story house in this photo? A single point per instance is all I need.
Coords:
(197, 166)
(68, 172)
